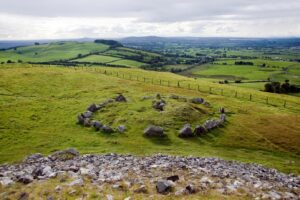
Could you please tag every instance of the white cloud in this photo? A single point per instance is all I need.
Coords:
(47, 19)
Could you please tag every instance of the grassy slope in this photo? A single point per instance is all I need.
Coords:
(51, 51)
(98, 58)
(128, 63)
(39, 106)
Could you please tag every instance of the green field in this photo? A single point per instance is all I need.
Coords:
(225, 69)
(128, 63)
(98, 58)
(39, 105)
(51, 51)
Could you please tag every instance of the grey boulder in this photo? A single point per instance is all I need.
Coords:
(199, 130)
(186, 131)
(154, 131)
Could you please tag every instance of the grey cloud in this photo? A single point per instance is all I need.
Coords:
(154, 10)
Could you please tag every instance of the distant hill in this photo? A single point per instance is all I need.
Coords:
(148, 42)
(96, 52)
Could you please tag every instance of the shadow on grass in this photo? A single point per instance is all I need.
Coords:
(165, 140)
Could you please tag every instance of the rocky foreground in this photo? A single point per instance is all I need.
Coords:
(159, 174)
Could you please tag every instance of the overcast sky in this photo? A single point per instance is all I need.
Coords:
(56, 19)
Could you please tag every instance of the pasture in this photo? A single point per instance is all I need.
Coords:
(39, 105)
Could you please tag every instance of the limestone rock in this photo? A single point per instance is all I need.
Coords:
(120, 98)
(154, 131)
(186, 131)
(199, 131)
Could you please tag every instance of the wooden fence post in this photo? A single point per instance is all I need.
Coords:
(144, 79)
(284, 104)
(189, 86)
(178, 84)
(159, 82)
(168, 83)
(250, 97)
(235, 94)
(267, 100)
(209, 90)
(198, 88)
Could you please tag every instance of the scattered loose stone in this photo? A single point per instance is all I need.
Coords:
(196, 173)
(154, 131)
(190, 189)
(77, 182)
(109, 197)
(23, 196)
(186, 131)
(163, 186)
(6, 181)
(141, 189)
(173, 178)
(25, 179)
(64, 154)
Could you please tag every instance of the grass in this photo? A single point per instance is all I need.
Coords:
(219, 72)
(39, 105)
(127, 63)
(51, 51)
(98, 58)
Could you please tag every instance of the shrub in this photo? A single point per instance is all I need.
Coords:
(238, 81)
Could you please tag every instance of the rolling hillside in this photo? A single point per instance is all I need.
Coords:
(39, 105)
(73, 53)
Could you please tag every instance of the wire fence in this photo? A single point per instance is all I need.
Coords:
(258, 97)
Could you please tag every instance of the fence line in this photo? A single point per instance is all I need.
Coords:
(271, 101)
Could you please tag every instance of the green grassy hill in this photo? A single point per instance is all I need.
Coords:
(51, 51)
(39, 105)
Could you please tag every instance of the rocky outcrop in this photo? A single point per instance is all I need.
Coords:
(192, 174)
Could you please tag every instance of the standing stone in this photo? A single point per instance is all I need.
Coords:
(87, 114)
(186, 131)
(80, 119)
(199, 131)
(107, 129)
(223, 117)
(154, 131)
(197, 100)
(120, 98)
(93, 107)
(222, 110)
(159, 105)
(87, 122)
(97, 125)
